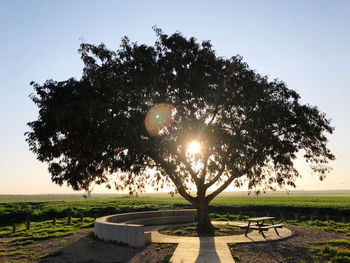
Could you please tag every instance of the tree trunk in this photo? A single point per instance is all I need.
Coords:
(204, 227)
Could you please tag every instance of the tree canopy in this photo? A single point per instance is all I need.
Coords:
(138, 108)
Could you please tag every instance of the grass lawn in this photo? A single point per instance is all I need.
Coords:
(190, 231)
(43, 230)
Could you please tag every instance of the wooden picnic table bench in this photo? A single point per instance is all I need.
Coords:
(257, 223)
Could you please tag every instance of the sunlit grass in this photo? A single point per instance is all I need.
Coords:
(43, 230)
(227, 217)
(330, 226)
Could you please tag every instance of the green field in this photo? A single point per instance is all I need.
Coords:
(319, 206)
(62, 197)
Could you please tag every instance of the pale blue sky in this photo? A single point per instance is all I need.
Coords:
(304, 43)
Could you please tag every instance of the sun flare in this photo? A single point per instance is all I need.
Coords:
(194, 148)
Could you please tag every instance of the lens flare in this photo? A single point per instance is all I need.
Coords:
(194, 147)
(159, 118)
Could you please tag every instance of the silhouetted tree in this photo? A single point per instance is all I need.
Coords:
(140, 107)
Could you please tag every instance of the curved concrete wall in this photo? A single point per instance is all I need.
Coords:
(128, 228)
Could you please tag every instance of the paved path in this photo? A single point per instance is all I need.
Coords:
(211, 249)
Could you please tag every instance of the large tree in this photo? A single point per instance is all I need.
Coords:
(134, 112)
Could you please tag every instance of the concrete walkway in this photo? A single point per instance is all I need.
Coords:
(211, 249)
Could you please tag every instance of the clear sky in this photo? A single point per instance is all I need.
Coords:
(304, 43)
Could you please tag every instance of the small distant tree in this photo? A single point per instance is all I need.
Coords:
(195, 119)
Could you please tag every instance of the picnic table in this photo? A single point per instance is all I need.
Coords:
(257, 223)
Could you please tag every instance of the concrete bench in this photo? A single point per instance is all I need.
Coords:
(128, 228)
(151, 221)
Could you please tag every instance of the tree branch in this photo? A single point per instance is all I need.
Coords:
(214, 180)
(176, 180)
(189, 168)
(205, 161)
(221, 188)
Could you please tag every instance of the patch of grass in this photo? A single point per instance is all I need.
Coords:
(235, 257)
(219, 230)
(282, 247)
(165, 245)
(227, 217)
(36, 246)
(218, 233)
(222, 219)
(339, 242)
(323, 225)
(178, 232)
(20, 242)
(6, 249)
(44, 230)
(30, 237)
(337, 250)
(231, 247)
(191, 228)
(63, 242)
(167, 258)
(13, 253)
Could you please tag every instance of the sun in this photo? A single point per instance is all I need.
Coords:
(194, 147)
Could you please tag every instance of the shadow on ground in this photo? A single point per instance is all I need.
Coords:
(207, 246)
(88, 249)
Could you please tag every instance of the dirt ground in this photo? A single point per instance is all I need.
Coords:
(81, 247)
(293, 249)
